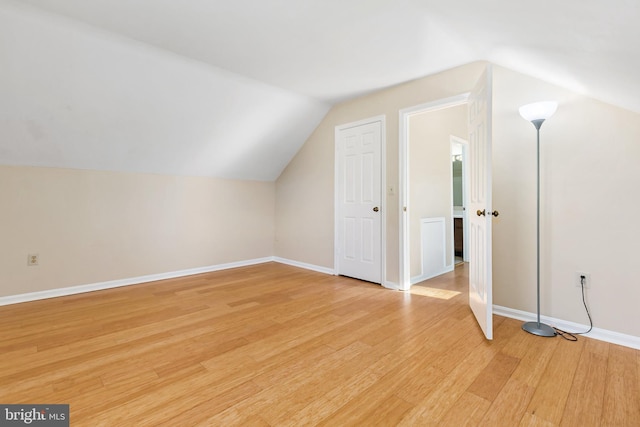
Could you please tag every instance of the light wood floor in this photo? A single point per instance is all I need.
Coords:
(275, 345)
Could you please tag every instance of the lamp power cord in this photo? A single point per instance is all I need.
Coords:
(572, 336)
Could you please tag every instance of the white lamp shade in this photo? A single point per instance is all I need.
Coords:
(538, 110)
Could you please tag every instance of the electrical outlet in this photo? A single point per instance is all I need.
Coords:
(587, 279)
(32, 259)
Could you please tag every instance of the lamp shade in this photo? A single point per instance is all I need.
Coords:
(538, 110)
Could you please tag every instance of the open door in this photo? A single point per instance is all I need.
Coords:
(480, 212)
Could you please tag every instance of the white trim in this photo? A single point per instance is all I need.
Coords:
(423, 277)
(403, 153)
(596, 333)
(383, 197)
(325, 270)
(304, 265)
(383, 190)
(391, 285)
(72, 290)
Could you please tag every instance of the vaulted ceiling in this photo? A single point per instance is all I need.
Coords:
(233, 88)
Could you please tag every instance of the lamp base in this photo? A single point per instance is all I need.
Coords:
(539, 329)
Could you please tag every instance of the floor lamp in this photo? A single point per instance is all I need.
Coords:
(537, 113)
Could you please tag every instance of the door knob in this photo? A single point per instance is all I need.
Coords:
(376, 209)
(484, 212)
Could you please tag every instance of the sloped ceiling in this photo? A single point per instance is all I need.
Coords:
(233, 88)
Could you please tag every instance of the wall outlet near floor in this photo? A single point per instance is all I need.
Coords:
(587, 279)
(33, 259)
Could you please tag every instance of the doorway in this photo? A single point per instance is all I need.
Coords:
(460, 194)
(430, 213)
(479, 102)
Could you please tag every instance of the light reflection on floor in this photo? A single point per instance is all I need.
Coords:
(433, 292)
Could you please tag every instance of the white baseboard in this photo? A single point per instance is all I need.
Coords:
(422, 278)
(325, 270)
(304, 265)
(60, 292)
(72, 290)
(596, 333)
(391, 285)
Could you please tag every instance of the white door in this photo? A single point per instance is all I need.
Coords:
(479, 214)
(358, 196)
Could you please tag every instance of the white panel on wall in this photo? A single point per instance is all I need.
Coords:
(432, 238)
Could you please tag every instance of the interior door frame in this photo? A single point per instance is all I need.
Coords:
(464, 143)
(383, 202)
(403, 144)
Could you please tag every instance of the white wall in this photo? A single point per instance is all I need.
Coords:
(91, 226)
(589, 155)
(74, 96)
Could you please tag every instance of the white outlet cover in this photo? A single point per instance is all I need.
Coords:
(33, 259)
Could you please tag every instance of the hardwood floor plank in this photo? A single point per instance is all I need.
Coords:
(355, 411)
(586, 398)
(621, 405)
(418, 386)
(536, 359)
(431, 409)
(321, 379)
(468, 410)
(434, 407)
(85, 406)
(494, 376)
(531, 420)
(552, 392)
(511, 397)
(272, 344)
(447, 360)
(388, 413)
(195, 409)
(324, 405)
(510, 405)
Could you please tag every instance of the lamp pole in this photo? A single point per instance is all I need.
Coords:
(537, 113)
